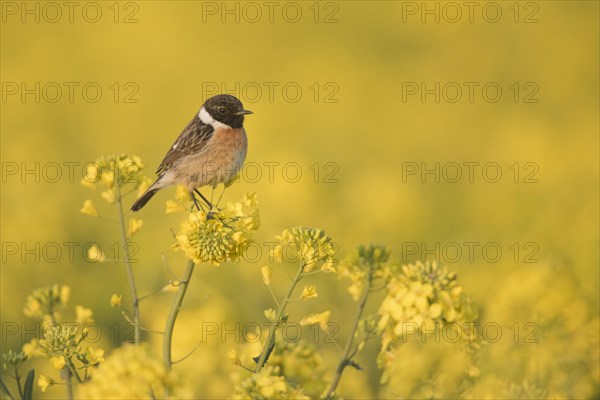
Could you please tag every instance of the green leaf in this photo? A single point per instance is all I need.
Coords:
(28, 387)
(354, 364)
(3, 386)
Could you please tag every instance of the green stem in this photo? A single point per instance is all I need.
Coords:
(5, 388)
(346, 357)
(270, 343)
(70, 371)
(175, 307)
(18, 379)
(127, 260)
(69, 384)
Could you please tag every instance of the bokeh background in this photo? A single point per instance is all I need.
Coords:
(354, 123)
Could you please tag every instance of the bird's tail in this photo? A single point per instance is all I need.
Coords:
(141, 202)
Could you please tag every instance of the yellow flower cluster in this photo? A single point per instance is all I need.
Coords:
(219, 236)
(62, 342)
(422, 297)
(365, 263)
(13, 359)
(44, 382)
(312, 246)
(549, 347)
(302, 365)
(47, 303)
(130, 372)
(267, 384)
(110, 171)
(321, 318)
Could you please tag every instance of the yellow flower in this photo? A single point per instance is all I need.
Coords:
(174, 207)
(88, 184)
(322, 319)
(328, 267)
(83, 314)
(89, 209)
(302, 364)
(33, 308)
(423, 297)
(95, 254)
(47, 302)
(92, 176)
(134, 226)
(108, 195)
(271, 314)
(137, 161)
(108, 178)
(311, 246)
(145, 183)
(31, 349)
(364, 264)
(218, 236)
(58, 362)
(233, 357)
(14, 359)
(266, 274)
(65, 293)
(171, 287)
(129, 372)
(267, 384)
(44, 382)
(435, 310)
(182, 194)
(473, 372)
(270, 387)
(61, 339)
(309, 292)
(94, 356)
(250, 200)
(116, 300)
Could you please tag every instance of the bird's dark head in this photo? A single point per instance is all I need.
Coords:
(223, 109)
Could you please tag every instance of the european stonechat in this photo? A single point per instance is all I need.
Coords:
(210, 150)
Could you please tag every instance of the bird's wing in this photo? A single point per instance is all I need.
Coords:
(192, 139)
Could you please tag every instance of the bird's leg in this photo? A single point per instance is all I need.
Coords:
(208, 203)
(196, 201)
(221, 196)
(212, 195)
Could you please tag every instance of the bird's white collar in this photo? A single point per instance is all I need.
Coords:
(209, 120)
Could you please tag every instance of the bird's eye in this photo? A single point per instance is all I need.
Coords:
(221, 110)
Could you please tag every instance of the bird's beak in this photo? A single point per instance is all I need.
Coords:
(243, 112)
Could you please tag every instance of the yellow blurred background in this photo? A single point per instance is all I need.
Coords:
(354, 95)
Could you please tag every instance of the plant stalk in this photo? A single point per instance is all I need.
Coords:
(129, 267)
(346, 358)
(270, 343)
(68, 382)
(175, 307)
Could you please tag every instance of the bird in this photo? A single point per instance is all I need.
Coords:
(210, 150)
